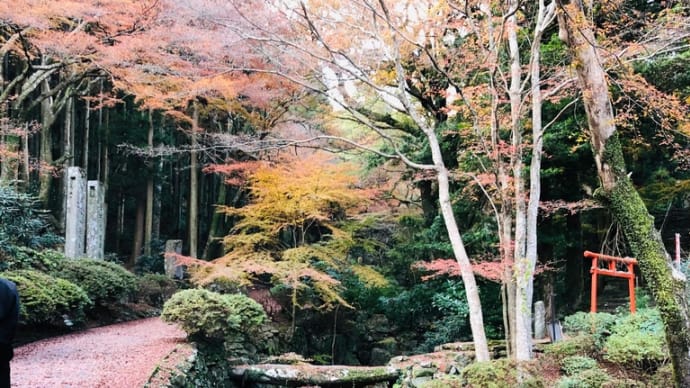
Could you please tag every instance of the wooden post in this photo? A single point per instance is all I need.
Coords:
(677, 261)
(593, 297)
(631, 287)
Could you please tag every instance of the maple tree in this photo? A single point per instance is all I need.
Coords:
(164, 55)
(289, 230)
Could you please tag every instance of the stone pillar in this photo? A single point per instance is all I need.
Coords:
(173, 248)
(95, 220)
(75, 213)
(539, 320)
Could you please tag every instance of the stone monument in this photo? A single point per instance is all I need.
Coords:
(172, 249)
(75, 213)
(95, 220)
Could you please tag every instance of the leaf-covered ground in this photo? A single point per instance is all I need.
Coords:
(115, 356)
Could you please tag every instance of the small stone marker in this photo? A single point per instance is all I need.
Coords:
(539, 320)
(173, 248)
(95, 220)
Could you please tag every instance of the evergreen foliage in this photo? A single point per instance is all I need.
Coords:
(597, 325)
(499, 373)
(105, 282)
(23, 224)
(581, 345)
(212, 317)
(590, 378)
(575, 364)
(48, 300)
(155, 289)
(45, 260)
(637, 341)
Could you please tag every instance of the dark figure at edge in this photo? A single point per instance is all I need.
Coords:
(9, 316)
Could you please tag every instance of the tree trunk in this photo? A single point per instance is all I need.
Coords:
(10, 161)
(138, 233)
(215, 232)
(193, 187)
(46, 151)
(157, 191)
(442, 179)
(87, 130)
(666, 284)
(526, 258)
(67, 153)
(468, 279)
(522, 338)
(148, 230)
(26, 168)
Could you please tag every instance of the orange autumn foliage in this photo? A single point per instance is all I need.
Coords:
(291, 223)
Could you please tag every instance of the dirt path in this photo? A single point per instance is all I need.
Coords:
(116, 356)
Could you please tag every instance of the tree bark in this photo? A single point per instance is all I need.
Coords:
(87, 130)
(522, 338)
(215, 230)
(138, 233)
(526, 257)
(149, 194)
(193, 186)
(67, 153)
(468, 279)
(26, 168)
(665, 282)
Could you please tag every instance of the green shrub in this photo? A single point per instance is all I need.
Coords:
(444, 381)
(252, 314)
(44, 260)
(155, 289)
(498, 374)
(103, 281)
(575, 364)
(45, 299)
(597, 325)
(638, 341)
(152, 263)
(591, 378)
(489, 374)
(209, 316)
(23, 224)
(582, 345)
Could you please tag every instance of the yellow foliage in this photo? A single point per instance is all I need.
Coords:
(369, 276)
(299, 196)
(290, 224)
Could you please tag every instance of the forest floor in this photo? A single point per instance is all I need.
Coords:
(116, 356)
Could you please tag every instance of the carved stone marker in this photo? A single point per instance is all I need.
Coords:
(75, 213)
(539, 320)
(95, 220)
(172, 249)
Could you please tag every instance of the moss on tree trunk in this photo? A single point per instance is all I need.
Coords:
(646, 244)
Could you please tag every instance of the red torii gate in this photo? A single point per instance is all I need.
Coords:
(612, 271)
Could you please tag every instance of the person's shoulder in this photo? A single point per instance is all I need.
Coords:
(7, 284)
